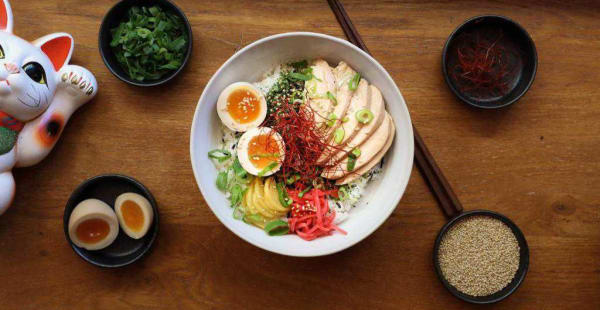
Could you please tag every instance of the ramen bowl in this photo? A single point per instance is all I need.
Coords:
(250, 64)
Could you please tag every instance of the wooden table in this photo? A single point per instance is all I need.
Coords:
(536, 162)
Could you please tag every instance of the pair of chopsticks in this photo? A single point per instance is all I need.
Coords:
(429, 169)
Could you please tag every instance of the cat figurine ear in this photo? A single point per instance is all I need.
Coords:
(58, 47)
(6, 17)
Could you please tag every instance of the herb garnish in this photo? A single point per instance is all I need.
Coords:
(150, 44)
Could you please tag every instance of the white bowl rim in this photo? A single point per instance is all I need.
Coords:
(404, 109)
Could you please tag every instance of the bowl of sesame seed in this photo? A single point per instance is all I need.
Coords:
(481, 256)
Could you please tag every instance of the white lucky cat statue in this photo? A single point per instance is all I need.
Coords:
(39, 91)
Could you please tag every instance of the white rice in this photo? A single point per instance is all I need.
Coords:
(270, 78)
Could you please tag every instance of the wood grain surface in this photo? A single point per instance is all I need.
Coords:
(536, 162)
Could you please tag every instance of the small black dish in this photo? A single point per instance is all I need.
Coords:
(114, 17)
(519, 276)
(124, 250)
(522, 61)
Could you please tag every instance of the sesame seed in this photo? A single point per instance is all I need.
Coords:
(479, 255)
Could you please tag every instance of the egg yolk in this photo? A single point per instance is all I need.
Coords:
(263, 150)
(132, 215)
(92, 230)
(243, 106)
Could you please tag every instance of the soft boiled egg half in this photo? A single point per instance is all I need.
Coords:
(135, 214)
(241, 106)
(93, 225)
(261, 151)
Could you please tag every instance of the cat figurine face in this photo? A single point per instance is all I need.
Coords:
(28, 76)
(39, 91)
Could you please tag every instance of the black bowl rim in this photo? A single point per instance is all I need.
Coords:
(75, 195)
(523, 263)
(160, 81)
(458, 93)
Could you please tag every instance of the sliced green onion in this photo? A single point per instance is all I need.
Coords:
(345, 119)
(355, 153)
(309, 71)
(291, 180)
(331, 118)
(338, 135)
(283, 196)
(219, 155)
(236, 195)
(332, 98)
(238, 213)
(268, 168)
(300, 76)
(364, 116)
(353, 84)
(222, 180)
(304, 191)
(238, 169)
(277, 228)
(343, 193)
(351, 163)
(265, 155)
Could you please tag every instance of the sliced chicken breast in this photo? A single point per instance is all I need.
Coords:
(363, 131)
(369, 149)
(359, 101)
(343, 74)
(317, 88)
(374, 161)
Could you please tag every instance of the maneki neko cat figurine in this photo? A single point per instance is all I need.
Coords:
(39, 91)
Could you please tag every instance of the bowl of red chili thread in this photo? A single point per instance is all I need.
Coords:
(489, 61)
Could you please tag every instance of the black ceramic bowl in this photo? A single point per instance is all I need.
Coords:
(519, 276)
(124, 250)
(520, 60)
(114, 17)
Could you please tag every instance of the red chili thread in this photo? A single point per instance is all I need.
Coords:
(305, 140)
(485, 64)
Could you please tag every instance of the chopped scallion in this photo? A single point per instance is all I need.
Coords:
(283, 196)
(353, 84)
(291, 180)
(351, 163)
(343, 193)
(268, 168)
(236, 195)
(304, 191)
(331, 118)
(277, 228)
(338, 135)
(220, 155)
(238, 213)
(332, 98)
(222, 180)
(364, 116)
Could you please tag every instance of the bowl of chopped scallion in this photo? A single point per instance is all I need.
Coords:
(145, 42)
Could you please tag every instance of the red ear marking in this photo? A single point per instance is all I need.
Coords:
(3, 16)
(58, 50)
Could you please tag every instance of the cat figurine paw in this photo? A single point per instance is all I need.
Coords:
(39, 91)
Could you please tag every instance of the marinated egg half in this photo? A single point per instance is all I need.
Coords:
(241, 106)
(135, 214)
(93, 225)
(261, 151)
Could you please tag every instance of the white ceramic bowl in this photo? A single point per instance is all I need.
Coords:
(250, 64)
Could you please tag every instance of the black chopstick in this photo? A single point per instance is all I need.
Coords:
(432, 174)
